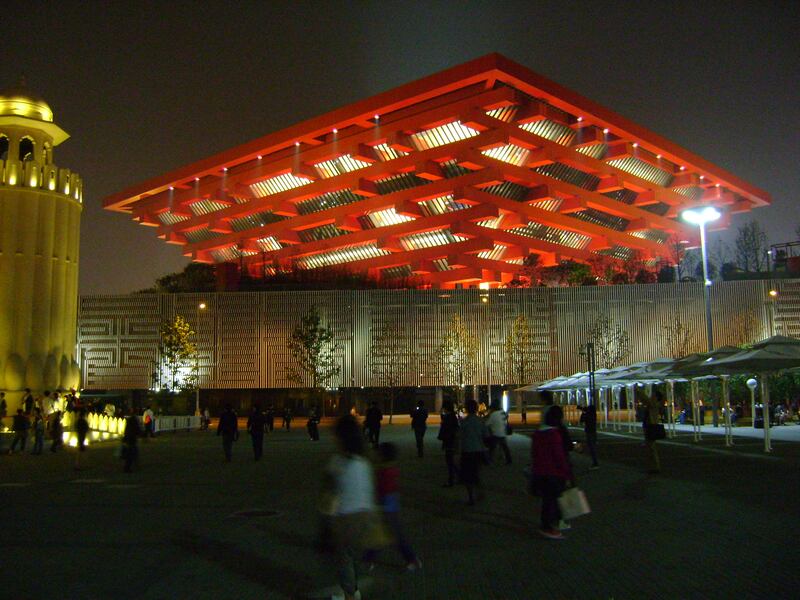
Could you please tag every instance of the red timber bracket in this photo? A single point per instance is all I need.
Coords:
(593, 199)
(544, 152)
(388, 237)
(416, 194)
(601, 236)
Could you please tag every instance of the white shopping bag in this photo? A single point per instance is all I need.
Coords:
(573, 503)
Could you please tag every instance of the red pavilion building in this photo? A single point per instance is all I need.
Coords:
(454, 179)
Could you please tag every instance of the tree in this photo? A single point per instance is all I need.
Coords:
(746, 328)
(178, 352)
(457, 355)
(312, 346)
(612, 344)
(530, 274)
(390, 359)
(676, 339)
(751, 247)
(195, 277)
(520, 354)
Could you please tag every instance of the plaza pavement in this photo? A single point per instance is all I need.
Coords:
(717, 523)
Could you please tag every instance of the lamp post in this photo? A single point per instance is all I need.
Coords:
(201, 306)
(752, 384)
(701, 216)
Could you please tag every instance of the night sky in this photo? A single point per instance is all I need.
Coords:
(144, 88)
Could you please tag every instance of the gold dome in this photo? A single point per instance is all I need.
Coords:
(19, 101)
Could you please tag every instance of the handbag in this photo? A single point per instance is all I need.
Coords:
(573, 503)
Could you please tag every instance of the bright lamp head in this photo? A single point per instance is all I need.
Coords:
(698, 216)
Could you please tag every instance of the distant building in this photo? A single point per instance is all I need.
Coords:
(453, 180)
(40, 214)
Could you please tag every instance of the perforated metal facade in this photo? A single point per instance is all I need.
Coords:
(242, 337)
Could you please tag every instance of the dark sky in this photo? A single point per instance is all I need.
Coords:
(144, 88)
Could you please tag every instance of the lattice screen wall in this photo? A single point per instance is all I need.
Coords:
(242, 337)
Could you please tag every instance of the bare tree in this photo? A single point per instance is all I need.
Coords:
(390, 359)
(457, 355)
(612, 343)
(313, 348)
(520, 354)
(676, 339)
(746, 328)
(751, 247)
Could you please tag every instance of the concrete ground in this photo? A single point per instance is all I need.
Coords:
(717, 523)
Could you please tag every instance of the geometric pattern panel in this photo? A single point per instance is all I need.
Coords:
(242, 337)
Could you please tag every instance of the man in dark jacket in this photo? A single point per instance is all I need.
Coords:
(419, 418)
(27, 401)
(372, 423)
(228, 428)
(256, 424)
(130, 441)
(21, 427)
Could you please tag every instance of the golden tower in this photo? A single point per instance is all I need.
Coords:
(40, 213)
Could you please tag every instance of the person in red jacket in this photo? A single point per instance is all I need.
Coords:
(550, 470)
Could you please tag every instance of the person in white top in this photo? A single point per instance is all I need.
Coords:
(349, 503)
(497, 424)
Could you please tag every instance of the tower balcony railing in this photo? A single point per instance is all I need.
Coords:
(31, 174)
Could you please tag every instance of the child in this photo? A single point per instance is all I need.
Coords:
(388, 480)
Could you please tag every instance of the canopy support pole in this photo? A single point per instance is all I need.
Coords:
(726, 403)
(630, 396)
(604, 400)
(765, 411)
(696, 431)
(671, 408)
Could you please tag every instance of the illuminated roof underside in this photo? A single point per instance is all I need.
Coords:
(454, 179)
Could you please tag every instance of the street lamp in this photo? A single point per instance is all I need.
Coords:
(752, 384)
(701, 216)
(201, 306)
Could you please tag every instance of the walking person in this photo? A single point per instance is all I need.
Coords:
(372, 423)
(388, 477)
(256, 423)
(21, 427)
(130, 443)
(497, 424)
(312, 426)
(349, 504)
(149, 422)
(81, 429)
(448, 435)
(653, 429)
(56, 431)
(523, 413)
(550, 470)
(270, 419)
(589, 420)
(27, 402)
(228, 428)
(419, 418)
(287, 418)
(473, 432)
(38, 432)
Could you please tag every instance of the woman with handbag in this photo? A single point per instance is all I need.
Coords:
(550, 470)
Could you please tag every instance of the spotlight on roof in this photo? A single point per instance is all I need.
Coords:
(700, 216)
(335, 130)
(773, 293)
(580, 119)
(605, 130)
